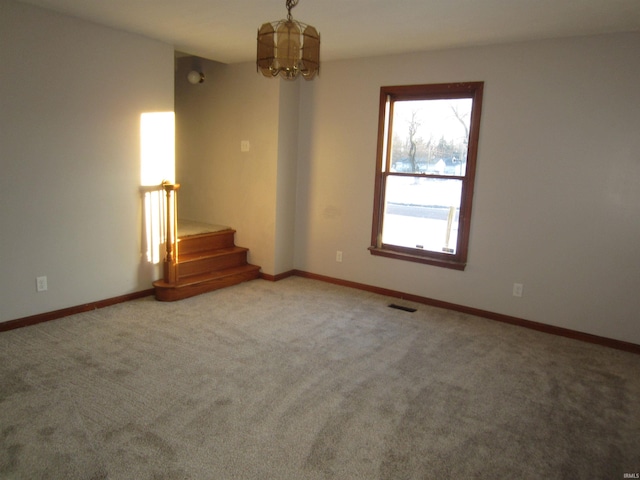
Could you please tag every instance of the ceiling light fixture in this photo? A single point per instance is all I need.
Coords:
(288, 48)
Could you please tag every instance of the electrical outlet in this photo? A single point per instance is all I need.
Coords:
(41, 284)
(517, 289)
(245, 146)
(338, 256)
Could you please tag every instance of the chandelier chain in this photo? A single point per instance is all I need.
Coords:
(290, 4)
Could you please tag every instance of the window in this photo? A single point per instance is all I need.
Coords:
(426, 161)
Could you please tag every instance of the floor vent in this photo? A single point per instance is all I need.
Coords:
(402, 307)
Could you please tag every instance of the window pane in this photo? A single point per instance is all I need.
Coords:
(430, 136)
(422, 213)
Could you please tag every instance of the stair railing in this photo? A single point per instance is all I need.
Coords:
(171, 223)
(153, 223)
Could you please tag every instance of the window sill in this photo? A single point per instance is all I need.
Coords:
(384, 252)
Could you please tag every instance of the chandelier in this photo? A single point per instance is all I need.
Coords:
(288, 48)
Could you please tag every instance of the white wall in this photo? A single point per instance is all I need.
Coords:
(288, 130)
(71, 96)
(252, 192)
(557, 195)
(219, 183)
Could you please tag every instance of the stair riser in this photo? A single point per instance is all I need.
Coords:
(173, 294)
(213, 264)
(206, 243)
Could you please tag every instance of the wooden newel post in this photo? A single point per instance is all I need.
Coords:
(171, 256)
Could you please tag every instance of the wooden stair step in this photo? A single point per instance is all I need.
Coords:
(203, 255)
(206, 241)
(212, 261)
(205, 262)
(197, 284)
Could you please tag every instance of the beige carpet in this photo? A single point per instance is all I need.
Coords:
(301, 379)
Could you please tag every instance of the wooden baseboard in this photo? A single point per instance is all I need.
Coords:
(541, 327)
(48, 316)
(275, 278)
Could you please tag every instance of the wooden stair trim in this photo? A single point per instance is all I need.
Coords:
(194, 279)
(206, 241)
(205, 262)
(215, 261)
(217, 232)
(226, 231)
(198, 284)
(204, 255)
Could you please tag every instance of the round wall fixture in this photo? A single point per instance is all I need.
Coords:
(194, 77)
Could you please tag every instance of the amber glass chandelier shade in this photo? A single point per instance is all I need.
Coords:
(266, 49)
(311, 52)
(288, 48)
(288, 45)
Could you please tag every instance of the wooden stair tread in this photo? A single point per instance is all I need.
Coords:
(204, 254)
(197, 284)
(195, 279)
(206, 242)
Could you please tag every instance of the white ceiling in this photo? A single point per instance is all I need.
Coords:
(225, 30)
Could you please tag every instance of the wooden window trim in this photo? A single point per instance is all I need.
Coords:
(473, 90)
